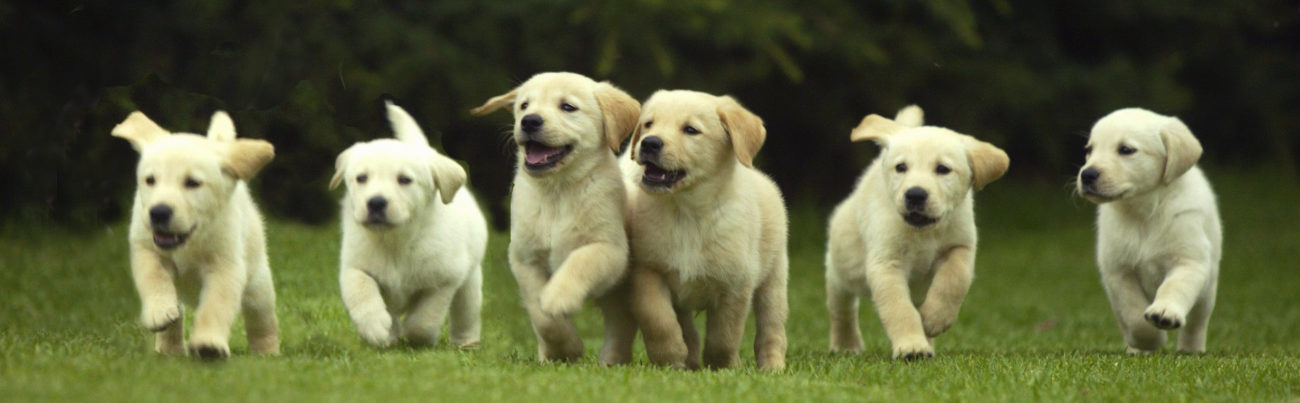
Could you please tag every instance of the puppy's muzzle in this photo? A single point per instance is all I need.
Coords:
(160, 215)
(376, 210)
(1088, 178)
(531, 123)
(914, 200)
(650, 148)
(160, 220)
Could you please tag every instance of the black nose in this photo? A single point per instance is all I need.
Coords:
(651, 145)
(160, 214)
(531, 122)
(377, 204)
(1089, 176)
(915, 196)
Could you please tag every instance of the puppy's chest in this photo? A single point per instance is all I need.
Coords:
(704, 257)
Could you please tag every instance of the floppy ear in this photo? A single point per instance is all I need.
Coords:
(497, 102)
(340, 165)
(221, 128)
(875, 128)
(139, 130)
(987, 162)
(404, 126)
(1182, 150)
(745, 128)
(619, 111)
(448, 175)
(247, 156)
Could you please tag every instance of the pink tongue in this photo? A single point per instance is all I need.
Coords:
(537, 154)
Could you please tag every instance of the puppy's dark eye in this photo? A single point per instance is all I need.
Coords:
(688, 129)
(148, 180)
(649, 123)
(523, 106)
(900, 168)
(942, 169)
(362, 178)
(567, 107)
(190, 183)
(1126, 150)
(403, 180)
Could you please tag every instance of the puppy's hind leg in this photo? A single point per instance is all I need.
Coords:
(620, 326)
(260, 322)
(1192, 338)
(466, 320)
(770, 312)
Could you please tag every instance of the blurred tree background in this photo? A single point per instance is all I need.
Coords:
(1030, 76)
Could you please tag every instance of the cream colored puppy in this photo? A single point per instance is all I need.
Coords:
(567, 239)
(708, 233)
(1158, 235)
(906, 234)
(413, 240)
(197, 237)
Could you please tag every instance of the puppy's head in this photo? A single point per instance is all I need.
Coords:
(684, 136)
(1132, 151)
(389, 181)
(563, 117)
(929, 170)
(185, 180)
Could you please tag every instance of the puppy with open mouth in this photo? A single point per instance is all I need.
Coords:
(197, 237)
(906, 235)
(1159, 239)
(567, 238)
(413, 240)
(708, 232)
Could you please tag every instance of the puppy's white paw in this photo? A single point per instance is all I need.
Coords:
(913, 349)
(937, 320)
(1163, 317)
(1133, 351)
(377, 329)
(158, 316)
(209, 349)
(559, 299)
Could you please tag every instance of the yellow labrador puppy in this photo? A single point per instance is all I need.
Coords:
(413, 240)
(708, 232)
(1158, 234)
(567, 238)
(907, 233)
(197, 237)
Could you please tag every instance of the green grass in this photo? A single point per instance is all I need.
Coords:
(1036, 325)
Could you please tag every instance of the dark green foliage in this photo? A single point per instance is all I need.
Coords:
(1028, 76)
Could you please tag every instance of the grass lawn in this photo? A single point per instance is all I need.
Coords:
(1035, 326)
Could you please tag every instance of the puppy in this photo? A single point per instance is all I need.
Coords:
(1158, 235)
(907, 233)
(708, 232)
(197, 237)
(567, 239)
(413, 240)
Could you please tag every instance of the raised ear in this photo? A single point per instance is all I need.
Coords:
(619, 111)
(448, 175)
(247, 156)
(404, 126)
(987, 162)
(340, 165)
(494, 103)
(221, 128)
(875, 128)
(1182, 150)
(745, 128)
(139, 130)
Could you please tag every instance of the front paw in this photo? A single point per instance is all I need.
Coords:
(1161, 316)
(937, 320)
(560, 299)
(376, 329)
(209, 350)
(158, 317)
(913, 350)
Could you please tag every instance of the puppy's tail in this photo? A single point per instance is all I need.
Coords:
(221, 128)
(910, 116)
(404, 126)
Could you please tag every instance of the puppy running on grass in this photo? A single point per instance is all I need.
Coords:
(197, 237)
(1158, 234)
(413, 240)
(907, 233)
(567, 239)
(708, 232)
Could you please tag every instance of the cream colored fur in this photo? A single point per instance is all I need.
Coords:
(917, 275)
(219, 267)
(567, 237)
(1159, 239)
(713, 241)
(405, 266)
